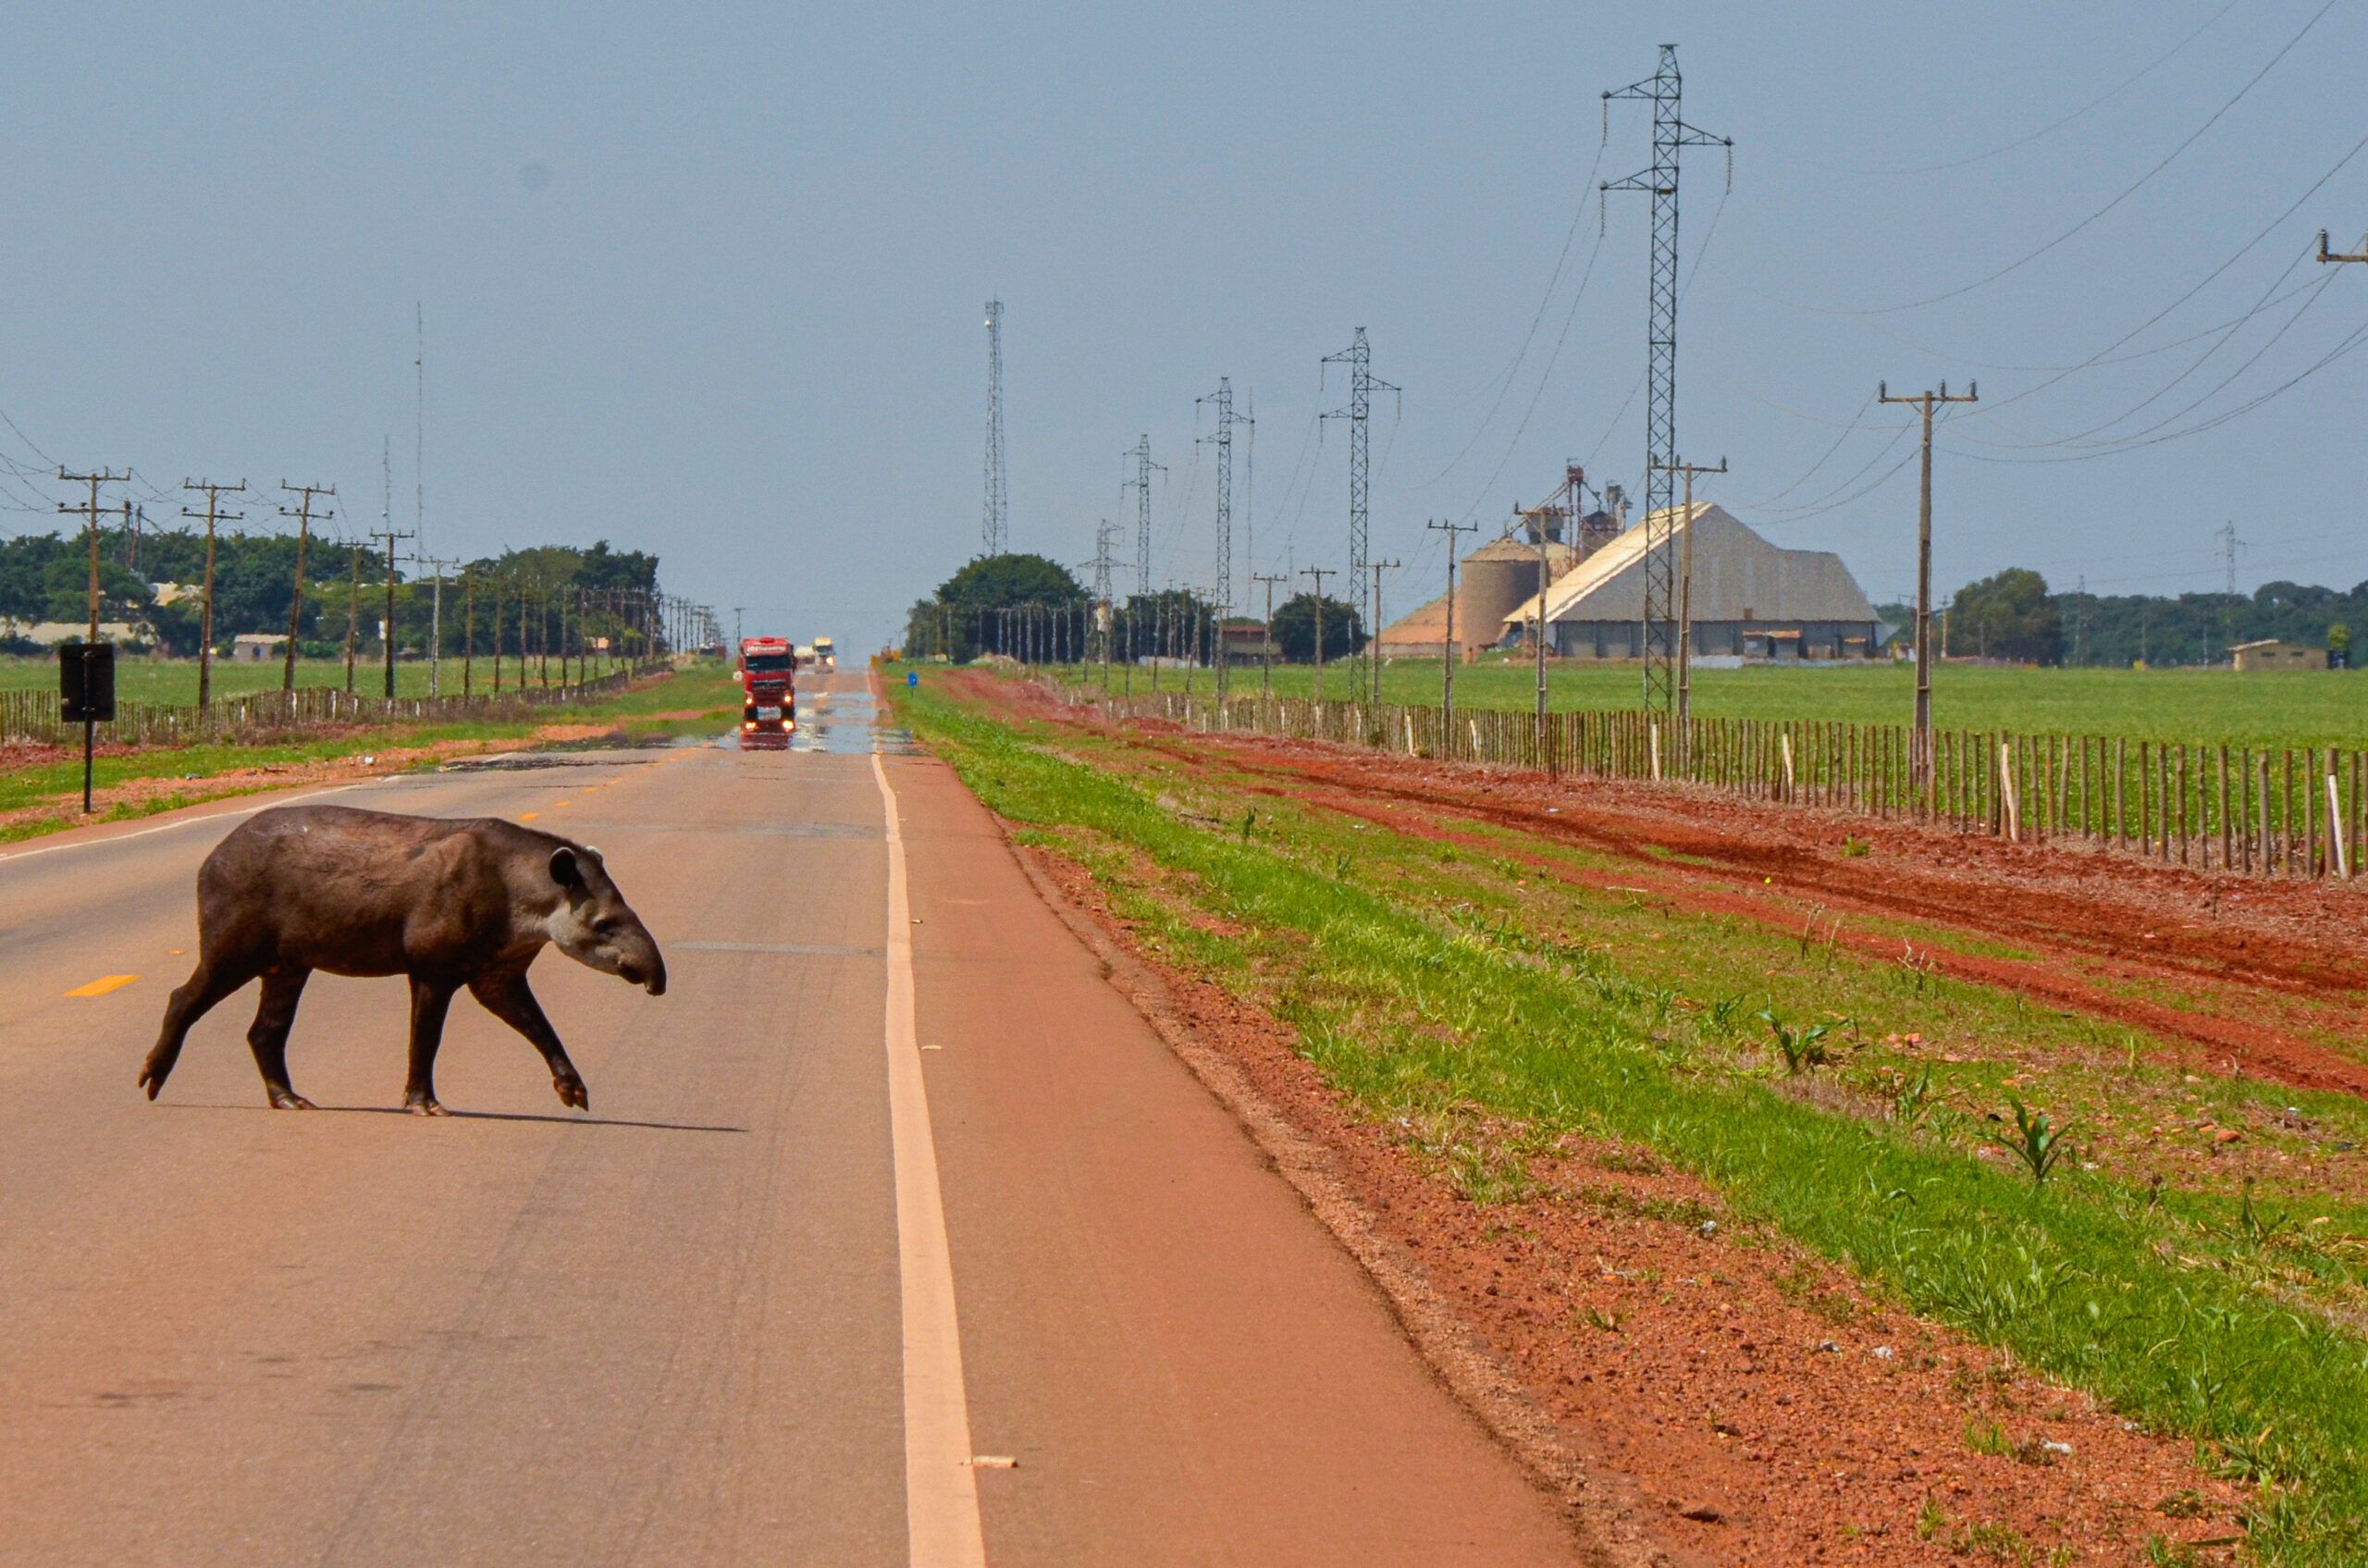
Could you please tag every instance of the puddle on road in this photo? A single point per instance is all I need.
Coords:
(844, 723)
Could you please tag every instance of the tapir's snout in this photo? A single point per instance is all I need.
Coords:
(652, 979)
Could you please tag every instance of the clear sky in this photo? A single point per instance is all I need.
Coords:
(708, 280)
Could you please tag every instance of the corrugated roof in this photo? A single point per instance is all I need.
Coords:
(1734, 571)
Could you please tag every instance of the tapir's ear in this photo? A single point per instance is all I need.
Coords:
(565, 869)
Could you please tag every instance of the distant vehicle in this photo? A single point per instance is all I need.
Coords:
(768, 687)
(825, 657)
(806, 652)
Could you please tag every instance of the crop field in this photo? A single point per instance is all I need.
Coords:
(2292, 708)
(2184, 1248)
(175, 680)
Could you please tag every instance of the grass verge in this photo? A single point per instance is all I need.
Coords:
(1418, 984)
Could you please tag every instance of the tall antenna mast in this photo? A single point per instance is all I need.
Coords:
(419, 421)
(1663, 90)
(994, 526)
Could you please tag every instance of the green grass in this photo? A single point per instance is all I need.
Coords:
(1427, 980)
(2296, 708)
(147, 679)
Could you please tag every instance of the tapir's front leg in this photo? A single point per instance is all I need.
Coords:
(430, 999)
(507, 998)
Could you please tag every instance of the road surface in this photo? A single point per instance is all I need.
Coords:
(813, 1249)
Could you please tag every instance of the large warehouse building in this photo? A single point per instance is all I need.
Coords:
(1751, 599)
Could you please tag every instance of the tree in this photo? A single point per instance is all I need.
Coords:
(2007, 616)
(1004, 580)
(1295, 630)
(1173, 624)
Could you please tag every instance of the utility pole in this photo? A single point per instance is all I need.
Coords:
(391, 535)
(352, 606)
(2328, 255)
(1685, 598)
(1919, 761)
(1141, 482)
(1106, 621)
(90, 510)
(1569, 505)
(1357, 357)
(1447, 647)
(1319, 573)
(1373, 644)
(737, 612)
(435, 623)
(995, 527)
(212, 515)
(468, 633)
(304, 515)
(1266, 642)
(1664, 90)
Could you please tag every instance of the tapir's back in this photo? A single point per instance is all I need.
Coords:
(348, 890)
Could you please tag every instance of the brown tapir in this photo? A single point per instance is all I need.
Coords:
(448, 902)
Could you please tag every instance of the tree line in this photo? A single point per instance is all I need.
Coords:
(2014, 615)
(1031, 608)
(523, 599)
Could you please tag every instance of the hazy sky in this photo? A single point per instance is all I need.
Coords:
(708, 280)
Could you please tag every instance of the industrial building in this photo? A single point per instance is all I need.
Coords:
(1751, 600)
(1495, 579)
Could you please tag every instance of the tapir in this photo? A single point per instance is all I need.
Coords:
(448, 902)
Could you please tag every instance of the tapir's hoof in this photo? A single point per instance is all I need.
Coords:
(153, 1075)
(424, 1105)
(288, 1100)
(573, 1092)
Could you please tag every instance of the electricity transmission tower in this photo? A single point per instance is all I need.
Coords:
(1141, 482)
(1223, 440)
(994, 526)
(1357, 357)
(2229, 546)
(1663, 90)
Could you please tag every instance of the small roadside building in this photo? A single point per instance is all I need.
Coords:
(1751, 600)
(2269, 653)
(253, 648)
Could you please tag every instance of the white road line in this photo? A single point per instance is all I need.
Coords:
(180, 822)
(941, 1488)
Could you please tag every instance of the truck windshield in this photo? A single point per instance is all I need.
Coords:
(769, 662)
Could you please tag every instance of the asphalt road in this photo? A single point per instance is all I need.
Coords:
(706, 1322)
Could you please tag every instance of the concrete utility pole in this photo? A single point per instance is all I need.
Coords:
(1373, 644)
(391, 535)
(1319, 573)
(1446, 644)
(1919, 761)
(468, 633)
(304, 515)
(1266, 641)
(352, 606)
(1685, 597)
(212, 515)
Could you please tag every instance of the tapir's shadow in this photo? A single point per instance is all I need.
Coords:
(318, 1109)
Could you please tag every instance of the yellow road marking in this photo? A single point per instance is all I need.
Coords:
(528, 816)
(102, 985)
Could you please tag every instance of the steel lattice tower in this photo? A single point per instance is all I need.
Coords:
(1226, 420)
(1361, 387)
(1662, 89)
(995, 527)
(1141, 482)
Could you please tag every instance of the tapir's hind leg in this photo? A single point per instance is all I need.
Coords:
(206, 985)
(267, 1036)
(429, 1001)
(507, 998)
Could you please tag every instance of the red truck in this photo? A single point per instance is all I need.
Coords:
(768, 687)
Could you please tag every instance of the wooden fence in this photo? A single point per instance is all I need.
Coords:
(33, 715)
(2271, 811)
